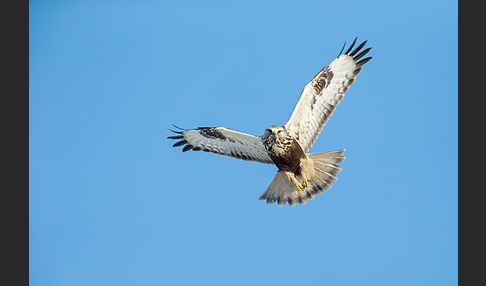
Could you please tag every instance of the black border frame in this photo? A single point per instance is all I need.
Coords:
(471, 145)
(15, 142)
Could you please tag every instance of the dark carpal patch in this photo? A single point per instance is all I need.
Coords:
(211, 132)
(322, 80)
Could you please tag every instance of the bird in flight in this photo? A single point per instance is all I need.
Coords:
(300, 175)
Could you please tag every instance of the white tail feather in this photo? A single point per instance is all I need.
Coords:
(321, 170)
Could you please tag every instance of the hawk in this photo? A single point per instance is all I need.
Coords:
(300, 175)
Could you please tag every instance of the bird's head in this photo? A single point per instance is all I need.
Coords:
(275, 131)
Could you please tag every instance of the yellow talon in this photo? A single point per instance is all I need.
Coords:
(306, 183)
(300, 187)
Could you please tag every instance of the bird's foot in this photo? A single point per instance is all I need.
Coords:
(300, 186)
(305, 183)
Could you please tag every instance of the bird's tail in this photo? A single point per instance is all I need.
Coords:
(325, 168)
(320, 170)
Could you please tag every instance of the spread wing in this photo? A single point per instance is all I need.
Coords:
(321, 95)
(224, 141)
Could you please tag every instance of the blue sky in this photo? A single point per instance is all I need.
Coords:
(112, 203)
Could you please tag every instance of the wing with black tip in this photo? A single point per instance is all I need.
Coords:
(323, 93)
(223, 141)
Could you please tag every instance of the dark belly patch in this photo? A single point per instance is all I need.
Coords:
(290, 161)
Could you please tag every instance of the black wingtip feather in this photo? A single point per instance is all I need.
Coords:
(177, 132)
(352, 45)
(364, 52)
(187, 148)
(177, 127)
(179, 143)
(353, 53)
(341, 51)
(358, 48)
(364, 61)
(175, 137)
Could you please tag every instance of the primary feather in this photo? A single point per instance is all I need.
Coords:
(322, 94)
(223, 141)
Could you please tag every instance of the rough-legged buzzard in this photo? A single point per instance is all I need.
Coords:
(300, 175)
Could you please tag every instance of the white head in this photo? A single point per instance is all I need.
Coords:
(275, 131)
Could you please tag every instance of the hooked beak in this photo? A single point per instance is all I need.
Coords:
(274, 132)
